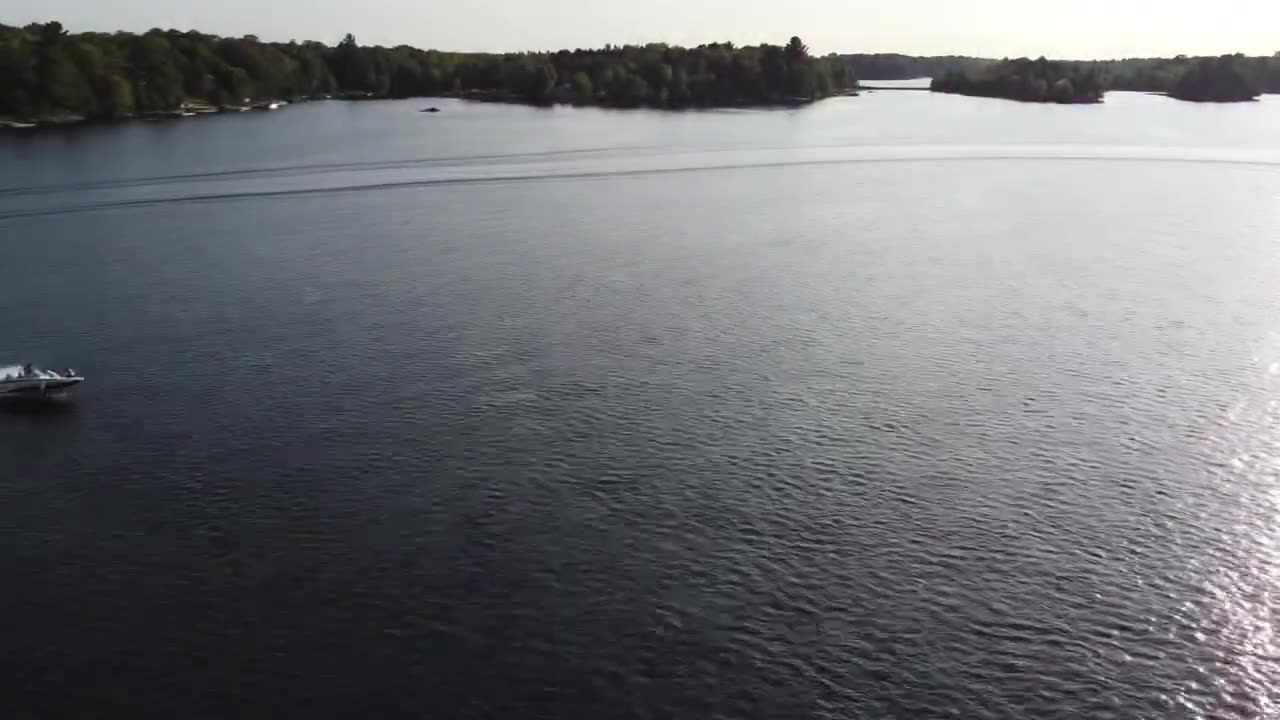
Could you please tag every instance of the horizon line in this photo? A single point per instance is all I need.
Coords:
(260, 38)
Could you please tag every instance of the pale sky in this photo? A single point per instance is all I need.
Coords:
(996, 28)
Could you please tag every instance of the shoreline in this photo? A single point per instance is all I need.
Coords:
(1101, 100)
(500, 97)
(507, 98)
(191, 108)
(497, 97)
(1024, 101)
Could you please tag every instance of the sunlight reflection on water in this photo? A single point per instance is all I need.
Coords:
(1242, 664)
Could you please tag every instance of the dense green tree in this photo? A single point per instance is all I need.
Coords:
(18, 81)
(800, 81)
(65, 87)
(157, 83)
(114, 97)
(68, 90)
(45, 72)
(797, 51)
(679, 91)
(1220, 79)
(889, 66)
(637, 92)
(541, 82)
(1136, 74)
(1232, 77)
(353, 67)
(583, 90)
(1038, 80)
(1063, 90)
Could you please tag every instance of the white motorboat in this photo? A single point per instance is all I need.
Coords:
(26, 382)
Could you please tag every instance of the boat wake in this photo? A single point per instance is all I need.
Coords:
(577, 175)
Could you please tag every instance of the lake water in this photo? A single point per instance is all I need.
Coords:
(893, 406)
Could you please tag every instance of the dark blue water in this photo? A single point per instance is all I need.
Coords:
(897, 406)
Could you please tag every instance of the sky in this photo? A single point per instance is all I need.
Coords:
(1078, 29)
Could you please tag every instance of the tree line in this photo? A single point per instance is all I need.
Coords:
(659, 75)
(893, 66)
(1037, 80)
(1227, 78)
(1216, 80)
(46, 72)
(1162, 75)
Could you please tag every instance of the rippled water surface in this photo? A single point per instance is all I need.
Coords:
(894, 406)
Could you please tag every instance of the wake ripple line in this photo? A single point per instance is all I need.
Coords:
(502, 179)
(16, 190)
(141, 181)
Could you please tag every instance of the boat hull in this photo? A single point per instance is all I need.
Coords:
(38, 388)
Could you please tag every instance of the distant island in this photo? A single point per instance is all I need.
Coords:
(49, 76)
(1216, 80)
(894, 66)
(1027, 80)
(1229, 78)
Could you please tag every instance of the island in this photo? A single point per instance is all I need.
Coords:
(1229, 78)
(1215, 80)
(895, 66)
(48, 75)
(1027, 80)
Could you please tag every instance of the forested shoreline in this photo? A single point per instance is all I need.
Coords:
(50, 75)
(895, 66)
(1038, 80)
(1226, 78)
(1223, 79)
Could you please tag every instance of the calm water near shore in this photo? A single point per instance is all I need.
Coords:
(903, 405)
